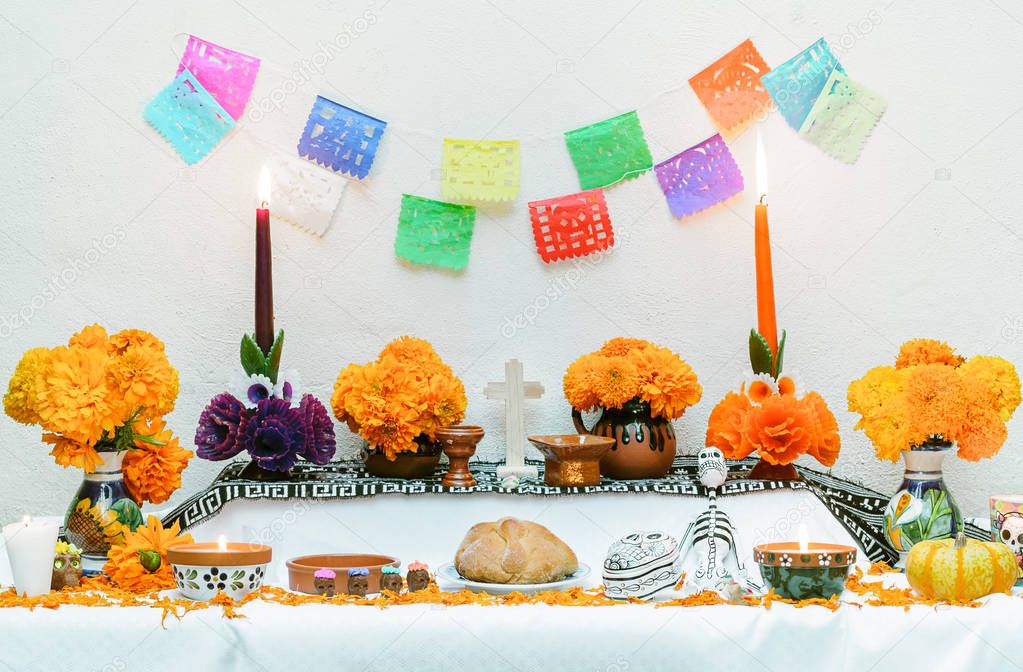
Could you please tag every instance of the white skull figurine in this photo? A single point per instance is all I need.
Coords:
(1010, 532)
(712, 467)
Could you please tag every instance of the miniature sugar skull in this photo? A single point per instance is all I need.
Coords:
(324, 581)
(1010, 532)
(418, 576)
(67, 566)
(358, 581)
(390, 579)
(712, 467)
(640, 564)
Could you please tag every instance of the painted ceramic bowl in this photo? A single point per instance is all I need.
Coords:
(302, 568)
(203, 582)
(641, 564)
(820, 571)
(202, 570)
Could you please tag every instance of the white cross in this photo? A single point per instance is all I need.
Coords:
(513, 391)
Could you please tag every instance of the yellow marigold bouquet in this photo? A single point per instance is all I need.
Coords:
(631, 368)
(406, 394)
(104, 393)
(932, 393)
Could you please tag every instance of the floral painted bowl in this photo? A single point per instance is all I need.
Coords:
(203, 582)
(819, 571)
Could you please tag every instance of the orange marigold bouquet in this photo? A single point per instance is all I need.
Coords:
(404, 396)
(768, 416)
(631, 368)
(104, 393)
(934, 394)
(139, 562)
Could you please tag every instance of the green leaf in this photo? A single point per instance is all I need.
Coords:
(760, 357)
(273, 360)
(778, 356)
(253, 360)
(128, 513)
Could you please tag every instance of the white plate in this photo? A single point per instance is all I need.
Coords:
(449, 575)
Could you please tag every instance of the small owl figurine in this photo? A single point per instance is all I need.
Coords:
(712, 467)
(67, 566)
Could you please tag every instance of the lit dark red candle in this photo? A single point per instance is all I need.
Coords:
(264, 268)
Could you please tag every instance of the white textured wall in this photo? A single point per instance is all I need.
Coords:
(920, 238)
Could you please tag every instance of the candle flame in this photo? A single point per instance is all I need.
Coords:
(263, 192)
(804, 539)
(761, 168)
(221, 543)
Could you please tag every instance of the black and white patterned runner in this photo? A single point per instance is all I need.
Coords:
(857, 508)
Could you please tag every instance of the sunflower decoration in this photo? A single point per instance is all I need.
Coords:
(139, 562)
(624, 369)
(401, 398)
(773, 416)
(933, 394)
(95, 396)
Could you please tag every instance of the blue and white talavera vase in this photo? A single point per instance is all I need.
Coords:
(923, 507)
(101, 512)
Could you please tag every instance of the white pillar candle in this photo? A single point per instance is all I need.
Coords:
(31, 546)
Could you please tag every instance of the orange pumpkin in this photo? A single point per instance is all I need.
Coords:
(960, 569)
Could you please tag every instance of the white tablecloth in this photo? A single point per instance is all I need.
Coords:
(532, 637)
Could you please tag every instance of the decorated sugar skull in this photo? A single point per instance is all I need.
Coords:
(1010, 532)
(712, 467)
(418, 576)
(358, 581)
(390, 579)
(323, 581)
(67, 566)
(640, 564)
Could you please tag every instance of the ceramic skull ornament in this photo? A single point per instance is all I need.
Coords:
(1010, 532)
(712, 468)
(324, 581)
(641, 564)
(67, 566)
(358, 581)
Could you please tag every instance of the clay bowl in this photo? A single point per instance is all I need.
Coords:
(302, 568)
(572, 459)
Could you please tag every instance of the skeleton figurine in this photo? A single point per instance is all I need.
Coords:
(712, 467)
(1009, 528)
(711, 537)
(67, 566)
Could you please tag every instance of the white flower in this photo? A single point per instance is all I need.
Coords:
(251, 389)
(749, 378)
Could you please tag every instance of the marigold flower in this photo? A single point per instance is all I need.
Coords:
(20, 402)
(145, 378)
(724, 427)
(935, 393)
(125, 566)
(630, 368)
(152, 471)
(69, 453)
(982, 434)
(926, 351)
(94, 336)
(993, 382)
(77, 400)
(780, 429)
(826, 442)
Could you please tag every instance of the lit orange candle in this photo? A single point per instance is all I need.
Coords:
(766, 322)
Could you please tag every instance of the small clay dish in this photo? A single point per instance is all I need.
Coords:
(302, 568)
(572, 459)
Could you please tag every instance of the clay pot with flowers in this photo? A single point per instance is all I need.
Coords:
(639, 388)
(397, 403)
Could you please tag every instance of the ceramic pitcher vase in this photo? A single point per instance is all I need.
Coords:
(923, 507)
(101, 512)
(644, 445)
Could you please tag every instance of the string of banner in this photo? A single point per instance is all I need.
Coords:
(812, 91)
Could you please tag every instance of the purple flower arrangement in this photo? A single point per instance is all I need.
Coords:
(265, 422)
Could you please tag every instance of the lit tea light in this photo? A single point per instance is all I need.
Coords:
(804, 569)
